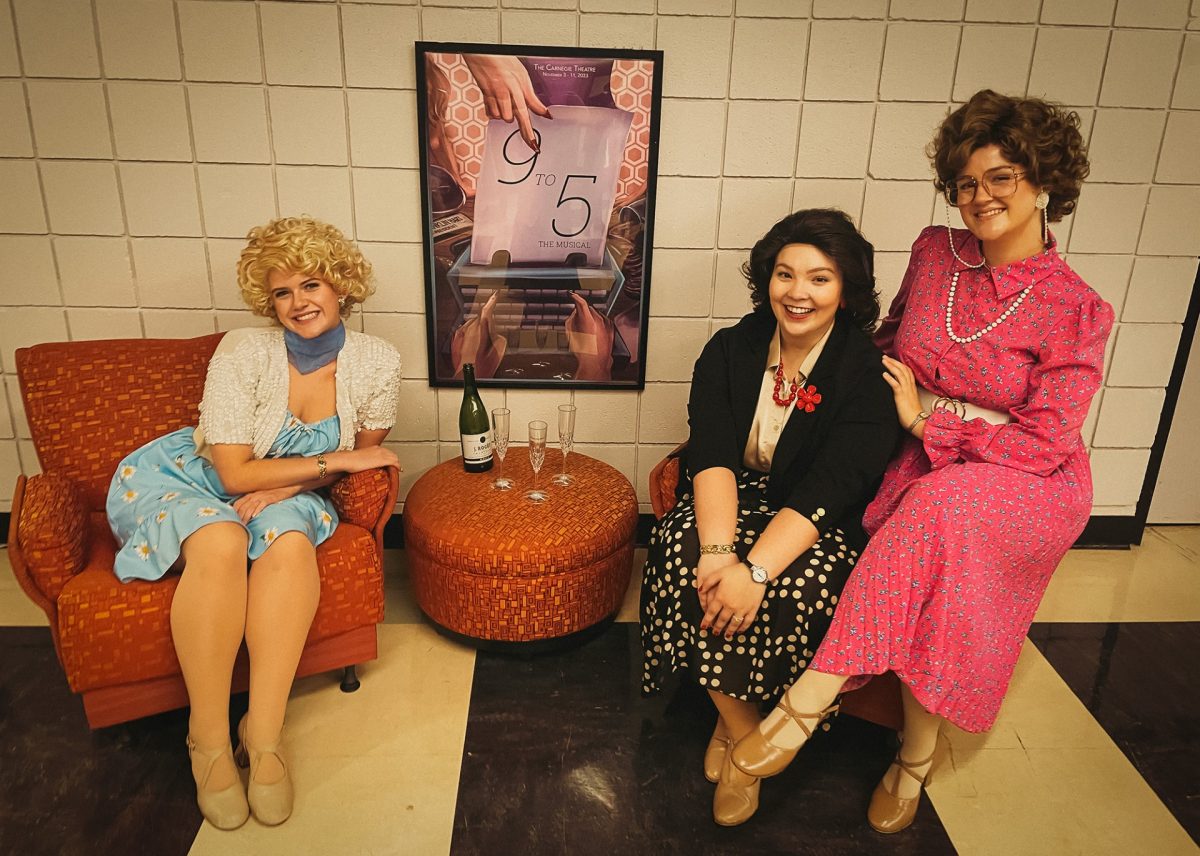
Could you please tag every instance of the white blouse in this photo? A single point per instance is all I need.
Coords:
(769, 417)
(246, 391)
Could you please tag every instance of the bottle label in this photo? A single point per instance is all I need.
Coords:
(477, 448)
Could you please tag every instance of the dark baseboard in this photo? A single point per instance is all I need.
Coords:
(1102, 531)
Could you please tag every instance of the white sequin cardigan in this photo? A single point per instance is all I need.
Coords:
(246, 391)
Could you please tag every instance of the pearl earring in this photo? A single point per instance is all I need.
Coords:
(1042, 202)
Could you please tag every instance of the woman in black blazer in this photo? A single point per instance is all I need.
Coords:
(791, 426)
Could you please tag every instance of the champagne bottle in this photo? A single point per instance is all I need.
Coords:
(473, 427)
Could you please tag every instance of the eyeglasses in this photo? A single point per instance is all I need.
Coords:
(998, 183)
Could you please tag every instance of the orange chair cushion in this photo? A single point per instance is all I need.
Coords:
(118, 633)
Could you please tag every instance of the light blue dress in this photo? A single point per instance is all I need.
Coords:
(164, 492)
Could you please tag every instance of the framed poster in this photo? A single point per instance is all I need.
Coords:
(538, 168)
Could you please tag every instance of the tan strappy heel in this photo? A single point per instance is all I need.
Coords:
(756, 755)
(890, 813)
(271, 804)
(714, 756)
(224, 809)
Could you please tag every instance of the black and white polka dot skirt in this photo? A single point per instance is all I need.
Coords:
(764, 660)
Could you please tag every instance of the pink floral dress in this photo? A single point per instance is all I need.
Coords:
(969, 524)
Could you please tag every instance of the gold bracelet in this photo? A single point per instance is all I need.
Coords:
(921, 417)
(716, 548)
(321, 465)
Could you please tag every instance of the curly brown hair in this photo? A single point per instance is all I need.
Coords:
(1040, 136)
(833, 233)
(302, 245)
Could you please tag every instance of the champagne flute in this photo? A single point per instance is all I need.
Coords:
(566, 441)
(537, 457)
(500, 419)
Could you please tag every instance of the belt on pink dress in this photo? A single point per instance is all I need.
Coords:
(932, 402)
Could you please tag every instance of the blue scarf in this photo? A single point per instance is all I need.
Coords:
(308, 355)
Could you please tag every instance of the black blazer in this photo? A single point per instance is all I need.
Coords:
(828, 463)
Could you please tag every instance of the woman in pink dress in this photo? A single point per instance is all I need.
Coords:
(994, 351)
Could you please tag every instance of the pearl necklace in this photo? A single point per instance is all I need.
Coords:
(1012, 307)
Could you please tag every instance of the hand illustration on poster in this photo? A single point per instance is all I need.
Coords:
(538, 171)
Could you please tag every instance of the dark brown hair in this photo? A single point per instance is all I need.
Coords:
(1042, 137)
(833, 233)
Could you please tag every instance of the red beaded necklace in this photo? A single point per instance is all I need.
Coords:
(781, 400)
(806, 398)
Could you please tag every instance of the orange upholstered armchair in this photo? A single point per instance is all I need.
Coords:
(878, 701)
(88, 405)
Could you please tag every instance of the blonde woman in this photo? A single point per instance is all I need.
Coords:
(232, 504)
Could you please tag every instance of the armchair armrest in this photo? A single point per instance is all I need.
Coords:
(51, 526)
(367, 498)
(663, 480)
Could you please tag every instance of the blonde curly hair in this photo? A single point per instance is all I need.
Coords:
(302, 245)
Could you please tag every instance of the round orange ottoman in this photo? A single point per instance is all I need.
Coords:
(491, 565)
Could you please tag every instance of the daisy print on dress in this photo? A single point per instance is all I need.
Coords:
(161, 516)
(326, 517)
(180, 460)
(169, 495)
(127, 472)
(270, 535)
(129, 495)
(144, 551)
(206, 511)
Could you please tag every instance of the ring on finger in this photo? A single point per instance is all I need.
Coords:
(737, 619)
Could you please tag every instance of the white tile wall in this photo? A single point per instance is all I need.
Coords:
(383, 127)
(700, 50)
(160, 198)
(229, 124)
(377, 46)
(844, 58)
(1141, 66)
(82, 197)
(172, 272)
(918, 62)
(758, 45)
(150, 121)
(761, 137)
(320, 191)
(616, 31)
(33, 257)
(1016, 11)
(1128, 418)
(137, 39)
(1098, 12)
(975, 70)
(1107, 218)
(57, 38)
(1143, 355)
(123, 226)
(1160, 289)
(300, 44)
(1068, 63)
(1172, 223)
(1124, 145)
(1177, 164)
(220, 40)
(682, 283)
(835, 139)
(16, 139)
(9, 64)
(69, 119)
(94, 271)
(1187, 83)
(23, 209)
